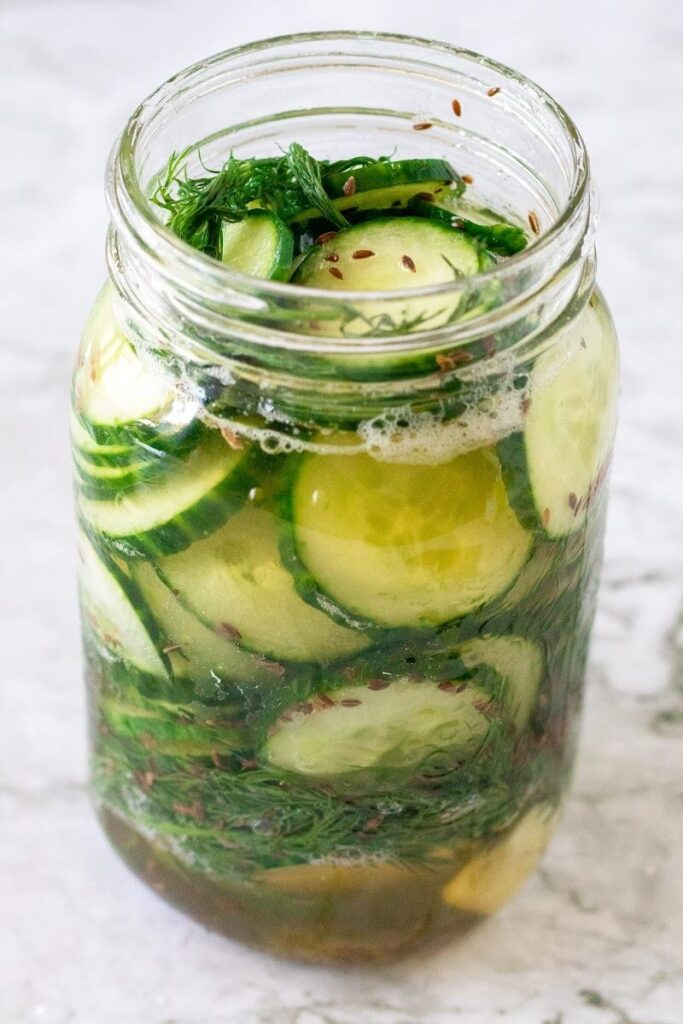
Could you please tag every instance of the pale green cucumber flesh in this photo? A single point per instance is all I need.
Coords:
(554, 468)
(235, 581)
(188, 502)
(403, 545)
(518, 664)
(113, 388)
(260, 245)
(400, 726)
(392, 254)
(114, 609)
(205, 656)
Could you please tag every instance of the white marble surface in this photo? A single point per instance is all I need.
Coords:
(597, 936)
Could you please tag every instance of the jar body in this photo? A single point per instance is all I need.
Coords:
(334, 682)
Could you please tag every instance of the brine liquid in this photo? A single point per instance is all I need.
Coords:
(210, 788)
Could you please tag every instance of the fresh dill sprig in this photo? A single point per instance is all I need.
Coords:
(287, 185)
(307, 172)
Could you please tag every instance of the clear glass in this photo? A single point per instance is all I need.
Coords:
(339, 554)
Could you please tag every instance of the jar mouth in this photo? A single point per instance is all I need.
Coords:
(521, 137)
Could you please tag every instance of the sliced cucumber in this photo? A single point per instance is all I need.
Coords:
(492, 876)
(196, 652)
(116, 611)
(503, 239)
(98, 454)
(163, 730)
(103, 482)
(403, 545)
(117, 399)
(190, 501)
(261, 245)
(391, 254)
(385, 184)
(401, 726)
(554, 468)
(235, 580)
(518, 664)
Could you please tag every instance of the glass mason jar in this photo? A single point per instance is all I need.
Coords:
(339, 551)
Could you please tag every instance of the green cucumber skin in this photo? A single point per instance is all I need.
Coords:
(134, 596)
(99, 488)
(382, 175)
(212, 510)
(137, 433)
(515, 469)
(502, 239)
(283, 250)
(385, 637)
(306, 585)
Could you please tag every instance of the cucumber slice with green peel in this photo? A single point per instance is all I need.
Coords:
(196, 652)
(117, 399)
(388, 173)
(104, 482)
(554, 468)
(518, 664)
(193, 499)
(234, 581)
(391, 254)
(494, 874)
(398, 727)
(385, 184)
(260, 245)
(503, 239)
(400, 544)
(116, 611)
(98, 454)
(160, 731)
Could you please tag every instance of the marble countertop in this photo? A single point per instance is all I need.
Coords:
(597, 936)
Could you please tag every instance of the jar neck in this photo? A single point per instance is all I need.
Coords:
(211, 324)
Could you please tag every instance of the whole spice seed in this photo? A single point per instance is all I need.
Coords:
(422, 126)
(191, 810)
(534, 222)
(493, 91)
(274, 667)
(426, 197)
(332, 257)
(467, 178)
(457, 107)
(227, 629)
(378, 684)
(545, 518)
(449, 360)
(408, 263)
(231, 438)
(326, 236)
(572, 500)
(372, 824)
(349, 186)
(362, 254)
(489, 346)
(350, 702)
(336, 272)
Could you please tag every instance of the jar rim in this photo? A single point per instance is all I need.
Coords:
(150, 229)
